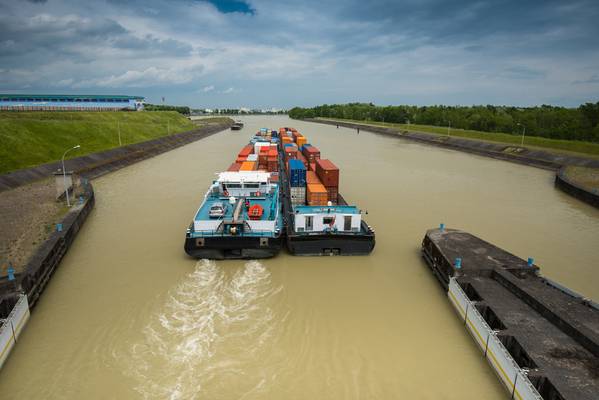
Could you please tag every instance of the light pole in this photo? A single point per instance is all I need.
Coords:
(523, 133)
(64, 174)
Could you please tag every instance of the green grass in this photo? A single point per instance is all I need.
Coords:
(32, 138)
(569, 146)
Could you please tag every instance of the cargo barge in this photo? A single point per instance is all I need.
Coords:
(241, 214)
(237, 125)
(318, 219)
(541, 338)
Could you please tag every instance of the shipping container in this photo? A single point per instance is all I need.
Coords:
(332, 193)
(290, 153)
(241, 159)
(316, 194)
(234, 167)
(311, 153)
(311, 177)
(313, 166)
(298, 195)
(327, 172)
(252, 157)
(246, 150)
(301, 140)
(274, 177)
(301, 157)
(258, 145)
(248, 166)
(297, 173)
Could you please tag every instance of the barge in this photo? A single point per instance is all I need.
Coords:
(241, 214)
(541, 338)
(318, 219)
(237, 125)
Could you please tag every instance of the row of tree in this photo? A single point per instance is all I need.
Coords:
(580, 123)
(159, 107)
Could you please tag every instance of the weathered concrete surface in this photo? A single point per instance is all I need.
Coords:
(552, 332)
(98, 164)
(574, 189)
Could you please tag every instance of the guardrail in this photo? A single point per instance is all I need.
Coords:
(12, 326)
(514, 378)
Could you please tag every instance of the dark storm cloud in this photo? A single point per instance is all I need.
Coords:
(421, 51)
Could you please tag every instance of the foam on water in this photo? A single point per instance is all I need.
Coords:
(212, 324)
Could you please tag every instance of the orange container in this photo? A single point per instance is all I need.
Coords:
(301, 140)
(316, 194)
(234, 167)
(246, 150)
(311, 177)
(248, 166)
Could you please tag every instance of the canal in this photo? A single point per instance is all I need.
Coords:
(129, 316)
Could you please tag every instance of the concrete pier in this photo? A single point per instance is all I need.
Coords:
(550, 332)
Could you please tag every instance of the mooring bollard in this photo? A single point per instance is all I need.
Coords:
(11, 272)
(531, 261)
(441, 227)
(458, 263)
(58, 227)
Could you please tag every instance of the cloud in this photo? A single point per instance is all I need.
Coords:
(304, 53)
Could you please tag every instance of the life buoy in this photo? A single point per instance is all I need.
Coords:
(226, 193)
(255, 212)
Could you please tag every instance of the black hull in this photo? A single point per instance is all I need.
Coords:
(329, 245)
(232, 248)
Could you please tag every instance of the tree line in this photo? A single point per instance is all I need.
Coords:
(581, 123)
(158, 107)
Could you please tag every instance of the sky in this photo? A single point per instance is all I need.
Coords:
(275, 53)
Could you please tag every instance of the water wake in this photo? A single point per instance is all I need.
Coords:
(211, 327)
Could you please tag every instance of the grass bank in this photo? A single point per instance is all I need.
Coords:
(569, 146)
(32, 138)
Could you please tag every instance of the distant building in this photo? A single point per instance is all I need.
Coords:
(52, 102)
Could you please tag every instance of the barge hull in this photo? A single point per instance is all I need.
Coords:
(231, 248)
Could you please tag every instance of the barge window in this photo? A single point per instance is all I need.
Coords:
(328, 220)
(251, 185)
(233, 185)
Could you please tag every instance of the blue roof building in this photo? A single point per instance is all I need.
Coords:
(53, 102)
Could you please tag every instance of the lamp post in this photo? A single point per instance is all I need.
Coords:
(64, 174)
(523, 133)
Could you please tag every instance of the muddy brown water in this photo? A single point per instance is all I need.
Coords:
(129, 316)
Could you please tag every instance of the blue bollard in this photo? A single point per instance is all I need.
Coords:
(458, 263)
(441, 227)
(11, 272)
(531, 261)
(58, 227)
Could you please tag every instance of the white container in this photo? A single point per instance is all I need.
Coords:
(298, 195)
(252, 157)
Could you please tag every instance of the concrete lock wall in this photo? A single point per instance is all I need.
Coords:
(12, 326)
(511, 375)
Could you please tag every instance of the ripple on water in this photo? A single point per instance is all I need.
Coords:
(209, 329)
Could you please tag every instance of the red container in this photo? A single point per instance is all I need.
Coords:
(313, 166)
(247, 150)
(311, 153)
(290, 152)
(332, 193)
(263, 158)
(234, 167)
(301, 157)
(240, 159)
(274, 177)
(327, 172)
(272, 166)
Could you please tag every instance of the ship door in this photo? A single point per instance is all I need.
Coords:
(347, 223)
(309, 223)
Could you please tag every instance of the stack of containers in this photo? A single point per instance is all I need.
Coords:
(286, 140)
(290, 151)
(300, 141)
(316, 193)
(301, 157)
(311, 153)
(244, 153)
(297, 181)
(272, 160)
(329, 176)
(263, 157)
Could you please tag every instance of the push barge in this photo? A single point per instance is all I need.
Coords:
(541, 338)
(318, 219)
(240, 217)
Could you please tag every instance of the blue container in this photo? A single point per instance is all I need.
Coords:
(290, 145)
(297, 173)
